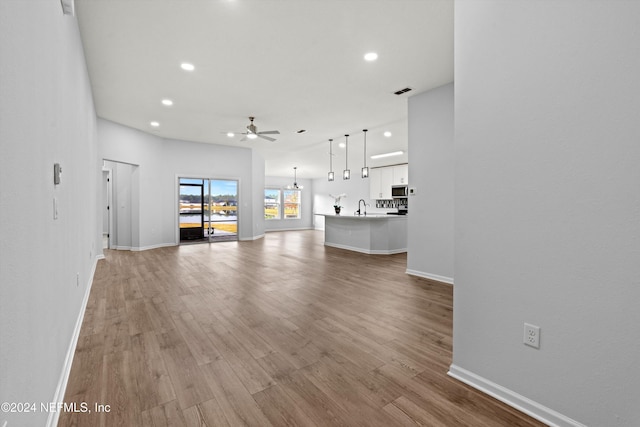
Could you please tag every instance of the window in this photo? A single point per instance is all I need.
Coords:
(291, 204)
(271, 203)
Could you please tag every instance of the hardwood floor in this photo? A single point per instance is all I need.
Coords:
(278, 331)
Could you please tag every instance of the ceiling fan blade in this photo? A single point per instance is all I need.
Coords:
(269, 132)
(244, 138)
(266, 137)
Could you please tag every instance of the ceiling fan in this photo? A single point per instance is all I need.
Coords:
(252, 132)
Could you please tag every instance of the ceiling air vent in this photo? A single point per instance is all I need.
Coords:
(401, 91)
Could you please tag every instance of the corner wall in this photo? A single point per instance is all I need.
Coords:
(430, 239)
(547, 199)
(46, 265)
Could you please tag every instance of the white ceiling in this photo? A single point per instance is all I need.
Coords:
(293, 64)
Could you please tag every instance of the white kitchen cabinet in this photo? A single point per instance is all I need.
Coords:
(400, 174)
(380, 182)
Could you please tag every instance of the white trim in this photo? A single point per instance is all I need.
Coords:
(288, 229)
(513, 399)
(367, 251)
(431, 276)
(146, 248)
(52, 421)
(122, 248)
(259, 236)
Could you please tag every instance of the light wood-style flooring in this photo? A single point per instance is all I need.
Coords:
(280, 331)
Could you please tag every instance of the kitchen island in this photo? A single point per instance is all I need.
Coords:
(369, 234)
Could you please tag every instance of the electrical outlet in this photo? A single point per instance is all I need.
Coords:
(532, 335)
(77, 280)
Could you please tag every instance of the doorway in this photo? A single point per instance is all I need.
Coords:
(106, 208)
(208, 210)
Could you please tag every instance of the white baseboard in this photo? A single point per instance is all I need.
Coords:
(259, 236)
(515, 400)
(52, 421)
(431, 276)
(121, 248)
(146, 248)
(367, 251)
(288, 229)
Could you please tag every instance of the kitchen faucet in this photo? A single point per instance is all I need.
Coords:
(365, 207)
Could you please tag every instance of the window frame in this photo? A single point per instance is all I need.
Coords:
(279, 204)
(298, 203)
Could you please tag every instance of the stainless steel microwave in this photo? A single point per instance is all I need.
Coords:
(399, 191)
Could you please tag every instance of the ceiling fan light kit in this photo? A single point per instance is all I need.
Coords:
(252, 132)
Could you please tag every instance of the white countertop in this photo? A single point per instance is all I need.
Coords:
(365, 217)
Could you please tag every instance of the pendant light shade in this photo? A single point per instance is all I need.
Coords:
(295, 185)
(331, 175)
(346, 174)
(365, 169)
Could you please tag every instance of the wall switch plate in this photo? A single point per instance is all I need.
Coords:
(532, 335)
(57, 170)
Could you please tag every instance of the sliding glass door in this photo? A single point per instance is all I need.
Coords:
(208, 210)
(223, 210)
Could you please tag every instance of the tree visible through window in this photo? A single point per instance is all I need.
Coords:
(271, 203)
(291, 204)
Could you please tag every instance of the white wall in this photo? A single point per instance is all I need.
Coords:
(306, 205)
(430, 240)
(46, 265)
(547, 221)
(258, 221)
(160, 161)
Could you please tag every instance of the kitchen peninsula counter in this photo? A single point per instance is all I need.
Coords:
(369, 234)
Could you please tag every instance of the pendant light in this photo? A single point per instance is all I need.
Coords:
(346, 174)
(331, 175)
(365, 169)
(295, 185)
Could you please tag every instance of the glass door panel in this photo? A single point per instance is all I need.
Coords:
(192, 221)
(223, 210)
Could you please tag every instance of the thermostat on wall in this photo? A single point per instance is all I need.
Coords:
(57, 170)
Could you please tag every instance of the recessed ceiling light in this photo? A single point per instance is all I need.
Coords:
(342, 145)
(187, 67)
(301, 131)
(371, 56)
(154, 124)
(387, 134)
(231, 134)
(395, 153)
(167, 102)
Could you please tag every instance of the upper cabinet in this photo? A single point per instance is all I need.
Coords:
(400, 174)
(381, 180)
